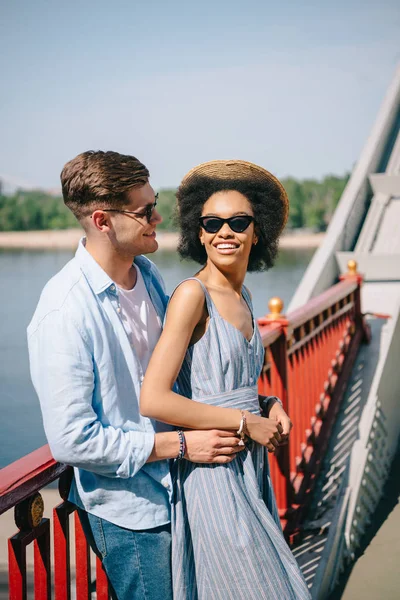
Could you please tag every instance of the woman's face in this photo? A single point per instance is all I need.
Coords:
(226, 247)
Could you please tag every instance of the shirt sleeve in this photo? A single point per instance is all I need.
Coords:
(62, 373)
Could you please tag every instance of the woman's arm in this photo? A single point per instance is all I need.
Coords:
(158, 401)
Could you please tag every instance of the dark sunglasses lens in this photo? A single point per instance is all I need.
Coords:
(149, 211)
(239, 224)
(212, 224)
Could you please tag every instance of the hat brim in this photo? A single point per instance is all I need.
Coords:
(243, 171)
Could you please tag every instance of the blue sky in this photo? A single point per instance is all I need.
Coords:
(293, 86)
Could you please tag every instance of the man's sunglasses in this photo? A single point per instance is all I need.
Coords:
(238, 224)
(148, 211)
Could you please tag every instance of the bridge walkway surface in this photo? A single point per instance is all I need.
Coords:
(376, 574)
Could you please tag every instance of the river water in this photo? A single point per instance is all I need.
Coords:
(23, 275)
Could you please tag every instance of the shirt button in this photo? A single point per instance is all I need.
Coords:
(251, 380)
(249, 350)
(118, 309)
(166, 485)
(112, 288)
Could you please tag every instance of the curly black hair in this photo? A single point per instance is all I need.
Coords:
(269, 215)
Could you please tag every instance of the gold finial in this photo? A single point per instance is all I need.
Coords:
(275, 306)
(352, 267)
(28, 513)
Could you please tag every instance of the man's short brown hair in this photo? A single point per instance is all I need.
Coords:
(97, 179)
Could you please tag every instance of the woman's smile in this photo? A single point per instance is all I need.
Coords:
(226, 247)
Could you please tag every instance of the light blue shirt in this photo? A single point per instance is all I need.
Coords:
(88, 380)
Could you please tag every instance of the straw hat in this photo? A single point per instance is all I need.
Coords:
(242, 171)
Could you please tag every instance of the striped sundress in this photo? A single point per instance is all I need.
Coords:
(227, 541)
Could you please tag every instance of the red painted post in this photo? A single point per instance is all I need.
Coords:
(280, 462)
(62, 568)
(353, 275)
(294, 389)
(298, 404)
(279, 387)
(42, 575)
(279, 369)
(82, 562)
(16, 568)
(308, 374)
(101, 581)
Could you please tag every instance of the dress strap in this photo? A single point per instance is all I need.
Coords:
(247, 298)
(210, 304)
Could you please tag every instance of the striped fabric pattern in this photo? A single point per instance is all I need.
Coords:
(226, 536)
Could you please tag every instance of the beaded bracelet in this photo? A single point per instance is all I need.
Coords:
(182, 444)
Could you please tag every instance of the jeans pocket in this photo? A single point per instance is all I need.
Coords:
(100, 537)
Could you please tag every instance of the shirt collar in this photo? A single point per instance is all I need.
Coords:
(143, 263)
(98, 279)
(96, 276)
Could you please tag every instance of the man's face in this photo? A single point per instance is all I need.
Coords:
(130, 234)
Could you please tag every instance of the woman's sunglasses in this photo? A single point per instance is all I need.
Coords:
(238, 224)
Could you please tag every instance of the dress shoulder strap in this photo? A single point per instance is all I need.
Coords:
(247, 297)
(209, 302)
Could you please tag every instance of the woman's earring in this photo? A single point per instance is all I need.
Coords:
(255, 241)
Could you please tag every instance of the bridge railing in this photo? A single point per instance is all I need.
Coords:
(308, 359)
(20, 487)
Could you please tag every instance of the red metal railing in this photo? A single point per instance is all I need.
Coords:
(20, 484)
(308, 360)
(309, 357)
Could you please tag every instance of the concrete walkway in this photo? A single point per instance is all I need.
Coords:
(376, 573)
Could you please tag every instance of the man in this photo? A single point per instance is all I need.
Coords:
(90, 341)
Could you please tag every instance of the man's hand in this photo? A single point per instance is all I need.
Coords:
(283, 419)
(213, 446)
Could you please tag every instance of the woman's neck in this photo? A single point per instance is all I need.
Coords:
(217, 277)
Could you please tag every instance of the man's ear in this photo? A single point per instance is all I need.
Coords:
(101, 221)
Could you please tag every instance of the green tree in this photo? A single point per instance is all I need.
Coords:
(297, 201)
(312, 204)
(166, 207)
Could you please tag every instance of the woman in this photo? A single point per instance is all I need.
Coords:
(227, 541)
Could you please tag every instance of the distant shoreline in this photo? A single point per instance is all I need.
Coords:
(67, 239)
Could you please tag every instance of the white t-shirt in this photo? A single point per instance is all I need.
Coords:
(140, 319)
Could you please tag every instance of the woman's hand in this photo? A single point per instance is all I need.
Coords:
(267, 432)
(283, 419)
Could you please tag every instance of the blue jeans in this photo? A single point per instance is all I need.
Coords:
(137, 563)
